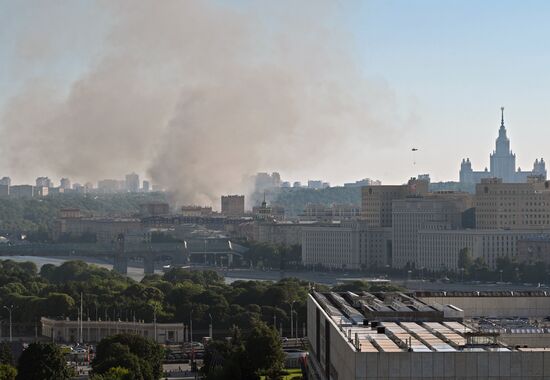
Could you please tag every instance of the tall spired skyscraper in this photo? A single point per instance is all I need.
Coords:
(502, 163)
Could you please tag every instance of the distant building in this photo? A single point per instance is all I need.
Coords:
(190, 210)
(6, 181)
(266, 181)
(233, 205)
(285, 184)
(439, 250)
(315, 184)
(363, 182)
(108, 186)
(432, 212)
(22, 191)
(43, 182)
(335, 211)
(154, 209)
(132, 183)
(146, 186)
(67, 331)
(337, 246)
(297, 184)
(4, 190)
(376, 201)
(268, 212)
(502, 164)
(513, 205)
(78, 188)
(65, 183)
(279, 232)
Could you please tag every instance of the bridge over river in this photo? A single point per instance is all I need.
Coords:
(119, 252)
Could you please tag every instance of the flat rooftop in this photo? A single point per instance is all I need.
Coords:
(416, 332)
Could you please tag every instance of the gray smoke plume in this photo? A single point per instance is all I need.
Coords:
(202, 94)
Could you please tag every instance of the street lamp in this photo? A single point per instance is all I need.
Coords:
(191, 327)
(155, 323)
(500, 271)
(9, 309)
(291, 321)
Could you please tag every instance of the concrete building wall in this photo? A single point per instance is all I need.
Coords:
(233, 205)
(512, 205)
(506, 306)
(415, 213)
(344, 362)
(439, 249)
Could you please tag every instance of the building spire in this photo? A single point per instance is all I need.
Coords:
(502, 116)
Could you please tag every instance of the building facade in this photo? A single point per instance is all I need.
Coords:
(502, 164)
(233, 205)
(336, 246)
(67, 331)
(412, 214)
(513, 205)
(376, 201)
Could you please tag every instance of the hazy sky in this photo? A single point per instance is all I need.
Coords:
(437, 73)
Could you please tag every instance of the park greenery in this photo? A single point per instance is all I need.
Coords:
(245, 356)
(43, 361)
(34, 216)
(175, 296)
(127, 357)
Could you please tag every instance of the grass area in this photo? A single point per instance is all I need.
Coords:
(293, 374)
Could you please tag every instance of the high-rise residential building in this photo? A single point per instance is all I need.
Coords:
(513, 205)
(23, 191)
(5, 181)
(65, 183)
(233, 205)
(502, 164)
(43, 182)
(146, 186)
(132, 182)
(376, 201)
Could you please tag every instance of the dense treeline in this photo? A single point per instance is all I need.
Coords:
(36, 214)
(55, 292)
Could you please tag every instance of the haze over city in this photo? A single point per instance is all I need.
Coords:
(197, 95)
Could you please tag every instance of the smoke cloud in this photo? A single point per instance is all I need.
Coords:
(201, 94)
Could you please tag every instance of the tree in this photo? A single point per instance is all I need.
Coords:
(42, 361)
(7, 372)
(465, 259)
(133, 352)
(115, 373)
(6, 355)
(264, 350)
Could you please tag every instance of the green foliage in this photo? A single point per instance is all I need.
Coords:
(35, 216)
(6, 355)
(115, 373)
(259, 352)
(42, 361)
(365, 286)
(465, 260)
(7, 372)
(140, 356)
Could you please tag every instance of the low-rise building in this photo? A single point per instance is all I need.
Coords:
(402, 336)
(68, 331)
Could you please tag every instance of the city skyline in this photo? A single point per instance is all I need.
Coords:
(393, 90)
